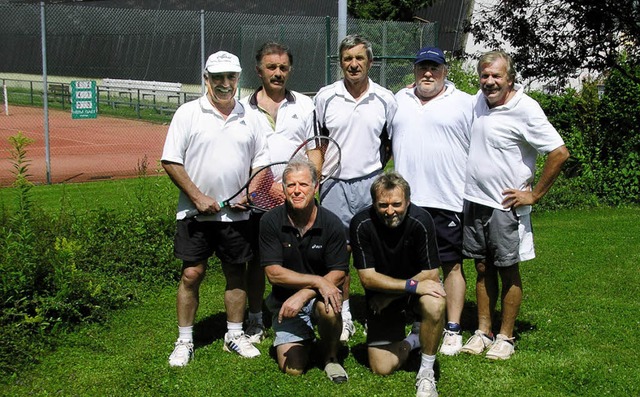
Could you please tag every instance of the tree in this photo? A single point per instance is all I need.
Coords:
(559, 39)
(386, 10)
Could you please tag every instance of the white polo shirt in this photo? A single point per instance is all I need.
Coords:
(431, 145)
(290, 128)
(358, 126)
(217, 154)
(505, 142)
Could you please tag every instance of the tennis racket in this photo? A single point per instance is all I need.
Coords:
(262, 191)
(324, 152)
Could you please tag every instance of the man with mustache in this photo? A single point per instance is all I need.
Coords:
(396, 254)
(282, 114)
(431, 135)
(509, 131)
(304, 252)
(211, 148)
(356, 112)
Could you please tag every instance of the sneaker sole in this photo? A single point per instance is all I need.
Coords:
(475, 353)
(447, 352)
(227, 349)
(493, 357)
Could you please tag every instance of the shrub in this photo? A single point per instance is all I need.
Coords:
(59, 271)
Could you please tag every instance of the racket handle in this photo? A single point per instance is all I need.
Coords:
(190, 214)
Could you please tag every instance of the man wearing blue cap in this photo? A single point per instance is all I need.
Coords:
(433, 158)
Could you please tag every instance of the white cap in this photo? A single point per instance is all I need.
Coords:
(221, 62)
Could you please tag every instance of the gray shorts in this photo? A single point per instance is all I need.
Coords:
(502, 237)
(346, 198)
(292, 330)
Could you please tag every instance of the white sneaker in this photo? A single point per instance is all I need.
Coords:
(182, 353)
(451, 343)
(426, 384)
(501, 349)
(348, 329)
(255, 331)
(478, 343)
(241, 345)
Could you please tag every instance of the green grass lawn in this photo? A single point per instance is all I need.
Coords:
(576, 332)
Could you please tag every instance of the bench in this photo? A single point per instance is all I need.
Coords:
(59, 92)
(141, 89)
(135, 91)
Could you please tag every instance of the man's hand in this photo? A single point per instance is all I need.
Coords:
(207, 205)
(292, 306)
(514, 198)
(430, 287)
(331, 295)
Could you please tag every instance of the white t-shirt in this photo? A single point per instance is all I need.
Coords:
(505, 142)
(290, 128)
(357, 126)
(217, 154)
(431, 145)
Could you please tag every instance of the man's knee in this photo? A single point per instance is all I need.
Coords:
(192, 276)
(481, 268)
(384, 360)
(293, 359)
(432, 308)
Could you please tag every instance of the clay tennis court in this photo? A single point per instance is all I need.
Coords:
(81, 150)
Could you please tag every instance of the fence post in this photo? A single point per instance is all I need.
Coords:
(4, 95)
(47, 149)
(327, 26)
(202, 54)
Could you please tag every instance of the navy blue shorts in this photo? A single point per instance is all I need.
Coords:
(449, 226)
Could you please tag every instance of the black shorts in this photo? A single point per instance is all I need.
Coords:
(389, 325)
(197, 241)
(254, 220)
(449, 226)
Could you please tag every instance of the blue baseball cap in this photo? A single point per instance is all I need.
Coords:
(433, 54)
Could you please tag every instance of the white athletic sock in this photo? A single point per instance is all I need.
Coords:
(234, 329)
(346, 313)
(427, 362)
(255, 317)
(185, 333)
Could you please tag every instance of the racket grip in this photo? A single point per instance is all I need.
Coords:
(191, 213)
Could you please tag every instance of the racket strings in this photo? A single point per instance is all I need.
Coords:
(265, 189)
(325, 151)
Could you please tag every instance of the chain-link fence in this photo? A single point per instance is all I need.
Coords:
(107, 44)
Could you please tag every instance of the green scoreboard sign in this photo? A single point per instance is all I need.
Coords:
(84, 103)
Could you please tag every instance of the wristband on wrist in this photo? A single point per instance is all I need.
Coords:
(411, 286)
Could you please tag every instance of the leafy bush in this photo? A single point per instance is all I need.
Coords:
(59, 271)
(603, 137)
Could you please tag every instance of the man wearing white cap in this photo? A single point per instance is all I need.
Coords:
(431, 133)
(211, 148)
